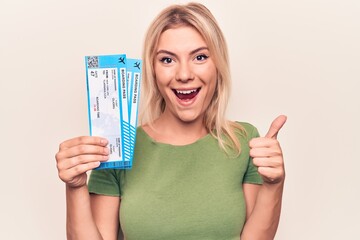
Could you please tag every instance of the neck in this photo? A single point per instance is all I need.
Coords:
(172, 130)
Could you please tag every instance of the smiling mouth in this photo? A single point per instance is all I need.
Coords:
(186, 94)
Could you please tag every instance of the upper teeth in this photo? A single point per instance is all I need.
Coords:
(186, 91)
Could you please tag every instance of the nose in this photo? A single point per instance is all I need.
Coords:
(184, 72)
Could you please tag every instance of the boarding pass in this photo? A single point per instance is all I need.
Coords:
(113, 87)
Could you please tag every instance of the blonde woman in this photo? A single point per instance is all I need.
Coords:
(196, 175)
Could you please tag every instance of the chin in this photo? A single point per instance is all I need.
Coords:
(189, 118)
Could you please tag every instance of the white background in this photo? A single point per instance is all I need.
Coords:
(299, 58)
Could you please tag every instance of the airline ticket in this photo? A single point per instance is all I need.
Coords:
(109, 89)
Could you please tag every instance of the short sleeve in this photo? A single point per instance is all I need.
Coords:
(252, 175)
(105, 182)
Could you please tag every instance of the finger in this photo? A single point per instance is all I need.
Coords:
(83, 140)
(263, 142)
(264, 152)
(272, 162)
(83, 168)
(71, 173)
(81, 159)
(271, 175)
(82, 150)
(275, 127)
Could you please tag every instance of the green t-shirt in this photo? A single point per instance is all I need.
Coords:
(191, 192)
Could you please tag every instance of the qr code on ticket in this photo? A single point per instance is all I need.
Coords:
(93, 62)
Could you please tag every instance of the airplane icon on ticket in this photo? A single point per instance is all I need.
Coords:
(137, 65)
(122, 60)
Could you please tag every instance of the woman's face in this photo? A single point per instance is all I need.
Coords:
(185, 73)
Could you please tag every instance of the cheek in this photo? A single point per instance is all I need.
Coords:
(208, 73)
(162, 85)
(211, 92)
(212, 84)
(210, 78)
(163, 76)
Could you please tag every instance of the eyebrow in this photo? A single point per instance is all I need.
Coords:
(192, 52)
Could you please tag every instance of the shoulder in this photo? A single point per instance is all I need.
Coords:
(249, 130)
(248, 127)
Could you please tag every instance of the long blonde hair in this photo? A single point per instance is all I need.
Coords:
(200, 18)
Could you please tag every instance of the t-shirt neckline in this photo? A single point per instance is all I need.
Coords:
(198, 141)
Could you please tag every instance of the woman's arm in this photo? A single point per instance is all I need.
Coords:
(264, 202)
(80, 222)
(250, 193)
(91, 216)
(105, 210)
(75, 157)
(263, 205)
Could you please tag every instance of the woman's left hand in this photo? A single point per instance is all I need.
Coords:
(267, 154)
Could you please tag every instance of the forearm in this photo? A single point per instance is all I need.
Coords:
(80, 223)
(264, 219)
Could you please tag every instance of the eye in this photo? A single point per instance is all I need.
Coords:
(166, 60)
(201, 57)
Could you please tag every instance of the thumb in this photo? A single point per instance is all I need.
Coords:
(275, 127)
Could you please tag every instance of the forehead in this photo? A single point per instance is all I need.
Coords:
(182, 38)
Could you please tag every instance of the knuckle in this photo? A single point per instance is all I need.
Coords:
(277, 143)
(57, 156)
(275, 153)
(255, 141)
(261, 170)
(78, 159)
(62, 176)
(81, 159)
(82, 139)
(278, 152)
(59, 166)
(279, 161)
(61, 146)
(74, 161)
(83, 149)
(270, 142)
(252, 152)
(77, 170)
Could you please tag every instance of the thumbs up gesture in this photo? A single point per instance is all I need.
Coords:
(267, 154)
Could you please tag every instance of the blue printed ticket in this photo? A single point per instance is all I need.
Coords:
(134, 77)
(112, 85)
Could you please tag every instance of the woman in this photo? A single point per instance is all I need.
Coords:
(194, 173)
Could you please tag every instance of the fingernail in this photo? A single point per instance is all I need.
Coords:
(104, 141)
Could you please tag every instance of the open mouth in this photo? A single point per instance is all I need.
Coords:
(186, 94)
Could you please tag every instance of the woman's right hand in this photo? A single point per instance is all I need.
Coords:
(79, 155)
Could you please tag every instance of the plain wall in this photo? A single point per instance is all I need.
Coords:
(299, 58)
